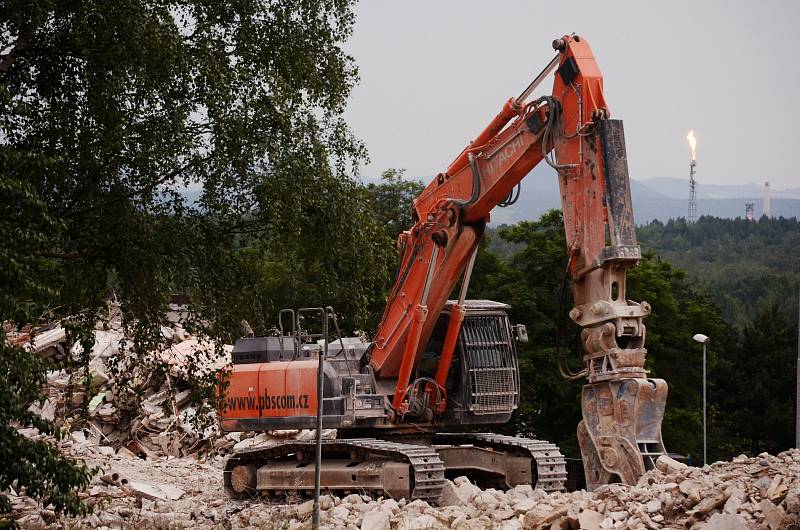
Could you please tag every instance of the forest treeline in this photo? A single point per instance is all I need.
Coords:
(747, 265)
(736, 281)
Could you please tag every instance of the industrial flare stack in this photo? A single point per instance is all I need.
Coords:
(692, 216)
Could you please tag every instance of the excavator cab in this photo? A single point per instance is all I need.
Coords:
(483, 382)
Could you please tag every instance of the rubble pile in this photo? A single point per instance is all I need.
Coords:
(761, 493)
(133, 492)
(157, 420)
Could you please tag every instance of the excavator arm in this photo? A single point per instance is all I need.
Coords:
(622, 409)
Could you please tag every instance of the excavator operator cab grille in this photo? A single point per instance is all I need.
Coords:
(490, 358)
(483, 383)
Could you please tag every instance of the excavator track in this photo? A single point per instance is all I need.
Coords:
(551, 467)
(427, 468)
(421, 452)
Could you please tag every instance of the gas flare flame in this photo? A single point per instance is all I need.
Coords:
(692, 144)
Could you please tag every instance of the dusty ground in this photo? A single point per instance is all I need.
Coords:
(760, 493)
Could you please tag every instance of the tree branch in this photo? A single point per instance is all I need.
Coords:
(61, 255)
(146, 189)
(8, 59)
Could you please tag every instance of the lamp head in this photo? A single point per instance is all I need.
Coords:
(701, 338)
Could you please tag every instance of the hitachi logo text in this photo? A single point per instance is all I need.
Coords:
(503, 155)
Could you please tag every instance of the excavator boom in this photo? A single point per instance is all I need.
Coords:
(591, 164)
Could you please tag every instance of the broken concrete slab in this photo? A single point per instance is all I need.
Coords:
(590, 520)
(305, 510)
(375, 520)
(458, 494)
(773, 515)
(153, 492)
(724, 521)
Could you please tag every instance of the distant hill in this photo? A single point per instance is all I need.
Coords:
(679, 189)
(655, 199)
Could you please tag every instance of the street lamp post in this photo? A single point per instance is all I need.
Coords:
(704, 340)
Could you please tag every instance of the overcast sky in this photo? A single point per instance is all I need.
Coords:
(433, 73)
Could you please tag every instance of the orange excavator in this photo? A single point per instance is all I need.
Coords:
(400, 404)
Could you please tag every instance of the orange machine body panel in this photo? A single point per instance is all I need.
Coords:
(271, 390)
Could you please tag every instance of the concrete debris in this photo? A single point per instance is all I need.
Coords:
(187, 492)
(773, 515)
(459, 492)
(590, 519)
(161, 492)
(724, 521)
(155, 422)
(376, 520)
(669, 465)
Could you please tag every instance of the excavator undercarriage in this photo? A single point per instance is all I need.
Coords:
(413, 468)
